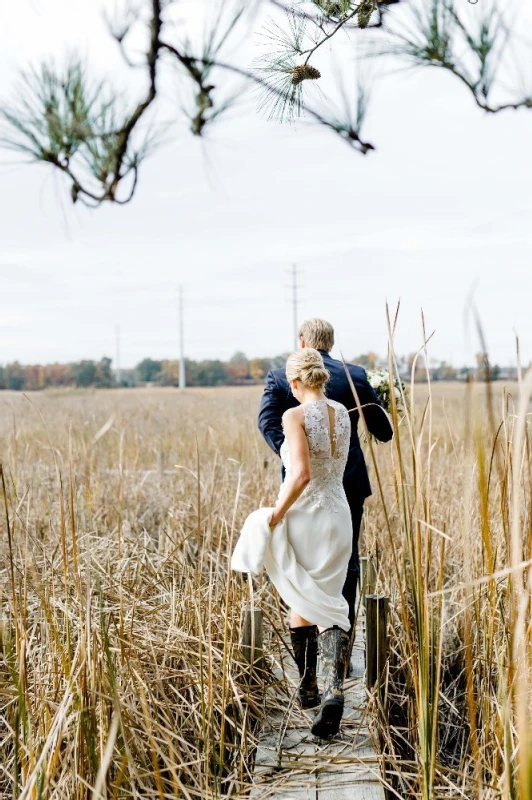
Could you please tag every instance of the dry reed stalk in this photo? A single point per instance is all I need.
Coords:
(117, 593)
(467, 638)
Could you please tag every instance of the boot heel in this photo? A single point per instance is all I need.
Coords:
(308, 700)
(327, 722)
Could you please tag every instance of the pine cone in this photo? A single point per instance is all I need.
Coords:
(304, 72)
(364, 13)
(333, 8)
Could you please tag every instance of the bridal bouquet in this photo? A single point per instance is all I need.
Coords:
(379, 379)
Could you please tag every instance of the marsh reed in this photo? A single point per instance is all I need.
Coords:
(121, 673)
(452, 536)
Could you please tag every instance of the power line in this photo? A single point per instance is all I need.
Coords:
(117, 368)
(295, 286)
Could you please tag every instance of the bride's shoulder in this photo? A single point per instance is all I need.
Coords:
(294, 416)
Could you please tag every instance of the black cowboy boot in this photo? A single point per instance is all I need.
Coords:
(334, 652)
(305, 647)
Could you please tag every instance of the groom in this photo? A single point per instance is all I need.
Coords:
(277, 398)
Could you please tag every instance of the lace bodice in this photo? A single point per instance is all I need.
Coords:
(327, 458)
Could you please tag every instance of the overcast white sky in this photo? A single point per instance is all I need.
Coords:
(441, 207)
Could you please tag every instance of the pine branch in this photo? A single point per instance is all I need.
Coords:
(434, 41)
(78, 127)
(81, 129)
(350, 133)
(125, 134)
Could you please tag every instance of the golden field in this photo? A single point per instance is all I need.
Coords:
(121, 674)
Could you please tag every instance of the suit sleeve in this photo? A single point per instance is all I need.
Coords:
(272, 408)
(376, 417)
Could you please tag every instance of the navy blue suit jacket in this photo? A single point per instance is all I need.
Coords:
(278, 398)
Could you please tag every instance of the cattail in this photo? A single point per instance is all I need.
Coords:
(304, 72)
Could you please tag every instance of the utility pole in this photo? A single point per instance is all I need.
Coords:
(295, 301)
(117, 369)
(182, 379)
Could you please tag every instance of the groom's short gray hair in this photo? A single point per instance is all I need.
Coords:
(317, 333)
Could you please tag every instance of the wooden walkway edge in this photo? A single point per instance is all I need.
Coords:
(292, 765)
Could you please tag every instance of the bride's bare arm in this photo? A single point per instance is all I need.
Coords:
(296, 439)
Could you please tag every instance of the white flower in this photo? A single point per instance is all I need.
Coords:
(396, 392)
(376, 380)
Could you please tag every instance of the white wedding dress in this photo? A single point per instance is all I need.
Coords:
(308, 552)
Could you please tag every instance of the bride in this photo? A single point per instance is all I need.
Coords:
(308, 552)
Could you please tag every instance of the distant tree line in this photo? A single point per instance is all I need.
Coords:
(238, 371)
(31, 377)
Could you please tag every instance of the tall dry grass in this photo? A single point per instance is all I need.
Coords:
(452, 537)
(121, 674)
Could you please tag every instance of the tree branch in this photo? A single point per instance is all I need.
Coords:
(125, 134)
(348, 134)
(80, 128)
(483, 104)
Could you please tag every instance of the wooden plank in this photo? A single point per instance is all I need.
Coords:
(281, 792)
(293, 765)
(252, 638)
(276, 772)
(368, 577)
(365, 788)
(377, 639)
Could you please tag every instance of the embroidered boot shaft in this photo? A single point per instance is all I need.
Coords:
(334, 654)
(305, 649)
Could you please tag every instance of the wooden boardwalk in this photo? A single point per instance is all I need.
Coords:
(292, 765)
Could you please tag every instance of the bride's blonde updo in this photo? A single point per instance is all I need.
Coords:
(306, 365)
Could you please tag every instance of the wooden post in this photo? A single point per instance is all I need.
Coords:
(368, 577)
(252, 639)
(376, 640)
